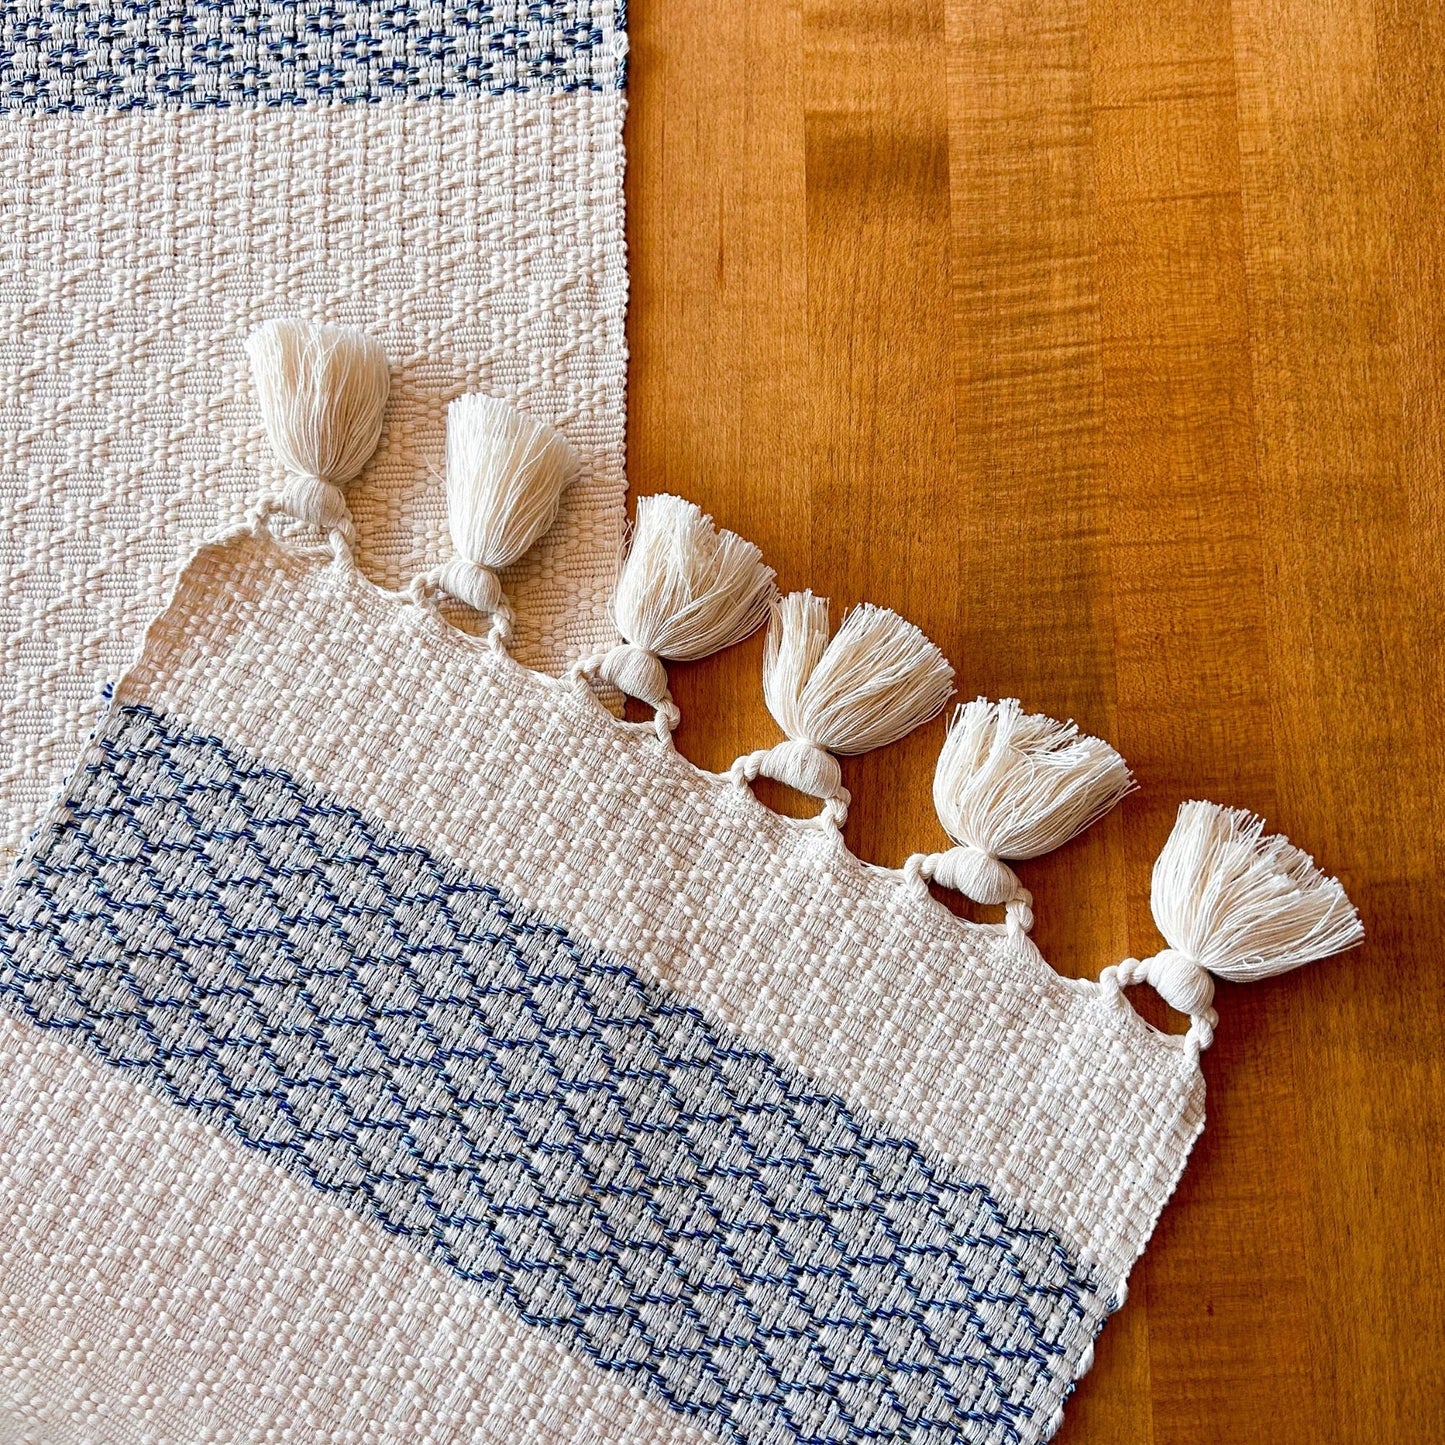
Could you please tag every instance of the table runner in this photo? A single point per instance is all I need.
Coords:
(397, 1045)
(171, 174)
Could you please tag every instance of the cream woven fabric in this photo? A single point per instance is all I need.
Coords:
(1082, 1112)
(532, 1081)
(480, 238)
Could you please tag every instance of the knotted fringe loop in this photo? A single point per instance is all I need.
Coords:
(506, 473)
(877, 679)
(322, 391)
(687, 589)
(1011, 784)
(1237, 905)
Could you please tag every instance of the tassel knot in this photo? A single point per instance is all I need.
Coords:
(803, 765)
(974, 873)
(637, 672)
(318, 502)
(1178, 980)
(473, 584)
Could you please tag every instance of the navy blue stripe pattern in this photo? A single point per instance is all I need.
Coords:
(200, 54)
(594, 1154)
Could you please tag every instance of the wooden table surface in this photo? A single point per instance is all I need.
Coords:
(1104, 341)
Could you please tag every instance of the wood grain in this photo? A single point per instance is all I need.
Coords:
(1105, 340)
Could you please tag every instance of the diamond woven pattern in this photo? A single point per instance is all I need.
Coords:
(202, 54)
(593, 1153)
(480, 240)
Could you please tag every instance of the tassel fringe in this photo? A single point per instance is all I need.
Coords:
(1242, 905)
(322, 392)
(877, 679)
(1235, 904)
(1015, 785)
(1011, 784)
(689, 588)
(797, 639)
(1230, 901)
(506, 473)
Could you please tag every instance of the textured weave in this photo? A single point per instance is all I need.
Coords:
(137, 54)
(673, 1084)
(160, 1283)
(587, 1151)
(480, 240)
(960, 1035)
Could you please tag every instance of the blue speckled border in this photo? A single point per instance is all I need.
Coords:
(60, 55)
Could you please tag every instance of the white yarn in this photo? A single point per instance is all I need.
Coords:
(689, 588)
(322, 392)
(1011, 784)
(878, 678)
(506, 473)
(797, 640)
(1233, 903)
(1242, 905)
(1178, 980)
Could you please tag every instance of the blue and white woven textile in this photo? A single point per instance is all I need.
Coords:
(174, 172)
(397, 1046)
(116, 55)
(593, 1153)
(567, 1132)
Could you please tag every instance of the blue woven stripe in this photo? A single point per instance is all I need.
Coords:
(596, 1156)
(187, 54)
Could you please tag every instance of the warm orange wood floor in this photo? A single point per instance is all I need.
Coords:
(1104, 340)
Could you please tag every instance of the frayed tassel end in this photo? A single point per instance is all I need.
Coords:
(797, 639)
(1011, 784)
(323, 392)
(877, 679)
(689, 588)
(1244, 905)
(506, 473)
(1017, 785)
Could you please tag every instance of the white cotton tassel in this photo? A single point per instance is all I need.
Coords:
(878, 678)
(1014, 785)
(1237, 905)
(687, 589)
(323, 392)
(506, 472)
(797, 640)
